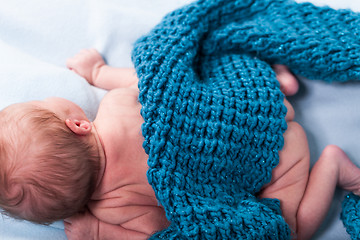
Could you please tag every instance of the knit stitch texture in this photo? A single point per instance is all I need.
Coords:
(350, 215)
(214, 113)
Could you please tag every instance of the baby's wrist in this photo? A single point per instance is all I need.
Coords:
(95, 73)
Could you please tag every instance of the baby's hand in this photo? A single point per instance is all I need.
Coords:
(82, 226)
(86, 63)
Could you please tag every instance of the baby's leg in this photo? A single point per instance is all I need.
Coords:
(333, 168)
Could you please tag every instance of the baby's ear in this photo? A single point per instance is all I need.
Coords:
(79, 127)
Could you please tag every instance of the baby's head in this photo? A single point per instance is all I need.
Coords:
(48, 170)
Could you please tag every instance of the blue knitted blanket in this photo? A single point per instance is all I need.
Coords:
(214, 113)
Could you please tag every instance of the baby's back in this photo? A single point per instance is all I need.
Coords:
(124, 196)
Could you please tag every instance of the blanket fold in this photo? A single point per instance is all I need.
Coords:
(213, 111)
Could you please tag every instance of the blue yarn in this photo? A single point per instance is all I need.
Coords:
(350, 215)
(214, 113)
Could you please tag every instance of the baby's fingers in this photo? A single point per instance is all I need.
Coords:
(86, 63)
(70, 63)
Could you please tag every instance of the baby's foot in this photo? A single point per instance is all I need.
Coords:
(288, 82)
(348, 173)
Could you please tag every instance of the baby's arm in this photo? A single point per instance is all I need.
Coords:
(89, 64)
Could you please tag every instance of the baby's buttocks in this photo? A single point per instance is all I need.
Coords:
(289, 178)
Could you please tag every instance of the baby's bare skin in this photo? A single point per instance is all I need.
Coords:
(124, 196)
(306, 197)
(124, 204)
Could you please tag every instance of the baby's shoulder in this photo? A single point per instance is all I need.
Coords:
(120, 98)
(119, 103)
(123, 96)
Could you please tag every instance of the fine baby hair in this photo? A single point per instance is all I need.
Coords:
(47, 172)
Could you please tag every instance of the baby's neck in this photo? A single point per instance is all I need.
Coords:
(102, 158)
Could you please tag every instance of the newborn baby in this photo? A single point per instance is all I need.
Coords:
(56, 164)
